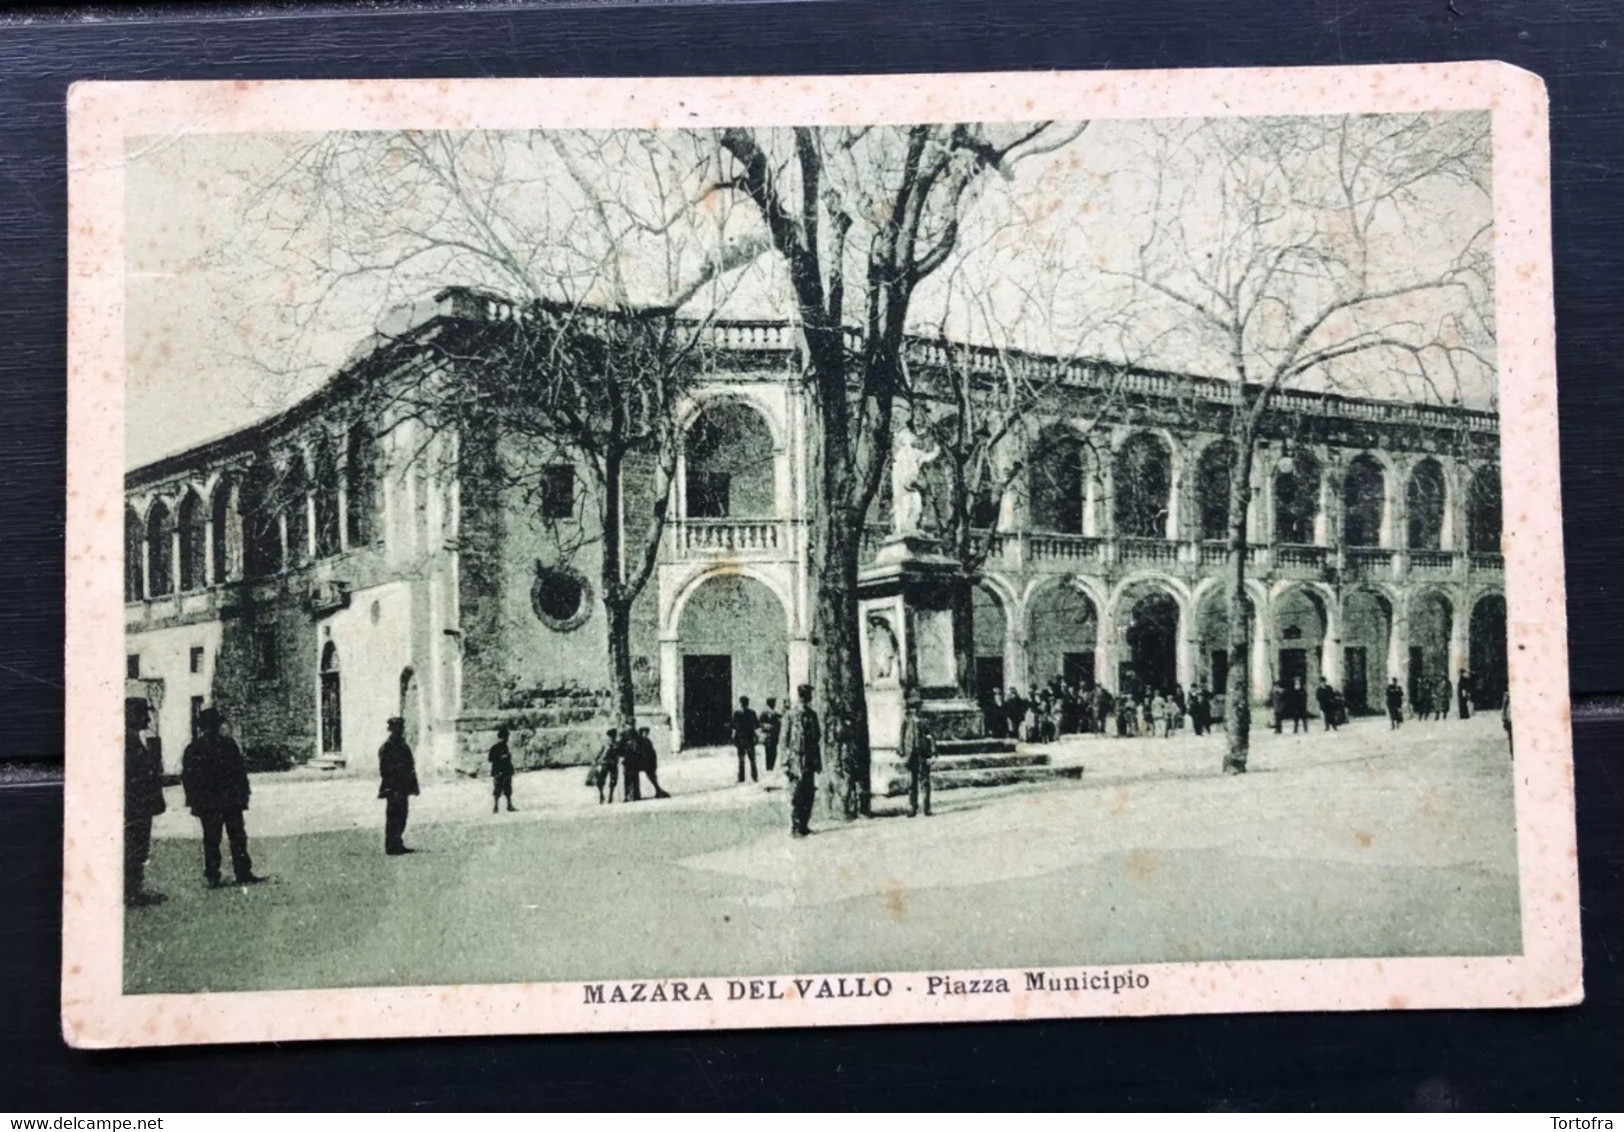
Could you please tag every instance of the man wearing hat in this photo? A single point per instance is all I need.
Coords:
(398, 773)
(215, 779)
(803, 758)
(143, 800)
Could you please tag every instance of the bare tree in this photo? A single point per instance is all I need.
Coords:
(1297, 252)
(582, 249)
(859, 216)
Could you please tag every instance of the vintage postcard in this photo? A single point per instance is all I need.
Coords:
(677, 553)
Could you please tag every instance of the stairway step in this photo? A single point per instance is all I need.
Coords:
(941, 779)
(955, 761)
(975, 746)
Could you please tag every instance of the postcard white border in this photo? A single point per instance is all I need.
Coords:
(102, 115)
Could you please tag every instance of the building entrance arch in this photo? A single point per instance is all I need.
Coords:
(732, 641)
(1487, 638)
(1367, 634)
(1062, 637)
(1150, 634)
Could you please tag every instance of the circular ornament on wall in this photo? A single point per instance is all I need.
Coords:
(561, 597)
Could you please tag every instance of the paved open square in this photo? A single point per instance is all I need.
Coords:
(1362, 843)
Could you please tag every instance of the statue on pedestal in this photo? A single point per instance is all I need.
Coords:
(909, 458)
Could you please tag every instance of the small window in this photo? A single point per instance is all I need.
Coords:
(197, 658)
(132, 666)
(558, 492)
(267, 656)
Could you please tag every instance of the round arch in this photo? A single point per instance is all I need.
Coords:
(729, 461)
(1426, 505)
(1301, 622)
(1150, 613)
(1484, 519)
(1364, 501)
(1214, 465)
(1429, 614)
(1063, 621)
(135, 541)
(703, 399)
(671, 619)
(732, 642)
(1488, 649)
(1145, 474)
(1368, 614)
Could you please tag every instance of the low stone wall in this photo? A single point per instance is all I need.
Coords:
(546, 737)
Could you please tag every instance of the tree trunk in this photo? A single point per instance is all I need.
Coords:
(964, 618)
(1238, 684)
(836, 534)
(617, 603)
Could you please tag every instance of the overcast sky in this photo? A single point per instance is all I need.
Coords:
(243, 292)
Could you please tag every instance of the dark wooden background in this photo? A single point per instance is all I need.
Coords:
(1560, 1061)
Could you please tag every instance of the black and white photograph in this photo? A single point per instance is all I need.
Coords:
(704, 560)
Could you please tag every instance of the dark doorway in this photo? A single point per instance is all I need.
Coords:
(332, 726)
(1293, 667)
(1153, 642)
(1488, 651)
(1077, 668)
(1356, 679)
(707, 699)
(989, 674)
(1220, 672)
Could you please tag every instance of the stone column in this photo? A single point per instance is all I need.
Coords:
(1107, 652)
(208, 552)
(669, 689)
(1262, 649)
(1460, 621)
(1398, 653)
(175, 549)
(1331, 647)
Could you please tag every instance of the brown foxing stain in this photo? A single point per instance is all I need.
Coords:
(1143, 864)
(1364, 839)
(896, 905)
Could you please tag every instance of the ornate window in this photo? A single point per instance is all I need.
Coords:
(561, 597)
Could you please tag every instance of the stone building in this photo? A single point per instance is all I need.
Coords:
(327, 568)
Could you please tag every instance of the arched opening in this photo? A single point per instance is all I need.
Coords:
(332, 702)
(1062, 635)
(160, 553)
(1151, 636)
(1297, 499)
(1425, 498)
(325, 491)
(1056, 483)
(1483, 514)
(193, 528)
(262, 535)
(1299, 635)
(295, 505)
(733, 641)
(728, 459)
(1364, 502)
(1212, 479)
(1488, 649)
(1431, 623)
(360, 485)
(1367, 627)
(989, 628)
(1144, 485)
(134, 551)
(225, 530)
(1211, 662)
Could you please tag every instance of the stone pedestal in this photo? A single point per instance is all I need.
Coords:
(904, 603)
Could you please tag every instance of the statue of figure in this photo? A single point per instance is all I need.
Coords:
(909, 457)
(882, 649)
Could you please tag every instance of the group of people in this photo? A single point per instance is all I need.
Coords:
(1289, 703)
(750, 729)
(1070, 707)
(626, 757)
(1433, 701)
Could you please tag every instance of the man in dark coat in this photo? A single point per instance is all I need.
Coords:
(648, 761)
(772, 730)
(803, 759)
(605, 770)
(1277, 706)
(1297, 704)
(397, 774)
(1325, 696)
(143, 800)
(746, 724)
(501, 771)
(918, 747)
(1463, 694)
(1015, 709)
(1395, 704)
(215, 779)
